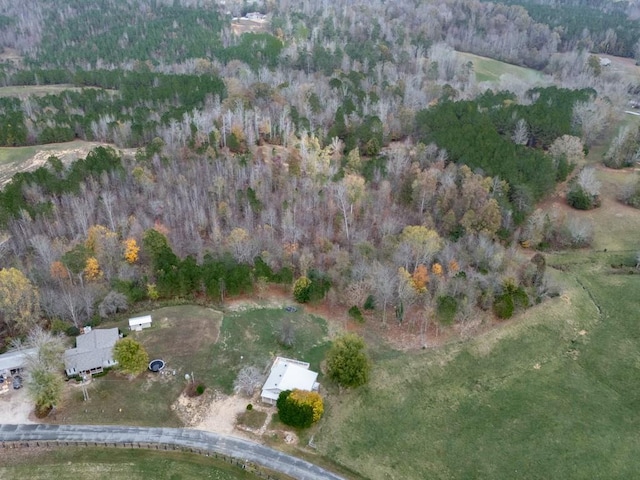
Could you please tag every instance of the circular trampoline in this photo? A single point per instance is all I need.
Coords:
(156, 365)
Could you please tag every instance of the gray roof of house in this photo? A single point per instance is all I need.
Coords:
(15, 359)
(92, 350)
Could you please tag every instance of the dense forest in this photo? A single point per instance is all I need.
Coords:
(344, 147)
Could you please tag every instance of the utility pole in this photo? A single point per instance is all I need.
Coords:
(85, 393)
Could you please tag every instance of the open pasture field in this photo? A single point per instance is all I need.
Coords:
(490, 70)
(553, 394)
(113, 464)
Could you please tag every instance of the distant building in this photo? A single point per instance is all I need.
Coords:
(138, 323)
(93, 352)
(288, 374)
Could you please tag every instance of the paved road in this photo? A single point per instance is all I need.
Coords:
(231, 446)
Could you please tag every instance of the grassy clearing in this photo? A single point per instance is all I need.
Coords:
(10, 155)
(252, 418)
(182, 336)
(24, 91)
(551, 395)
(251, 338)
(490, 70)
(114, 464)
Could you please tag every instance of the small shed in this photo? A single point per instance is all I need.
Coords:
(138, 323)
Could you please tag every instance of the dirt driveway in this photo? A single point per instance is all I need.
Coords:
(16, 407)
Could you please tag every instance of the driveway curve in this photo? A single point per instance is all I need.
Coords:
(238, 448)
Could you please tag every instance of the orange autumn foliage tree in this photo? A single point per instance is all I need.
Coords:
(420, 278)
(59, 271)
(436, 269)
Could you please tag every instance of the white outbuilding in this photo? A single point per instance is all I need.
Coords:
(138, 323)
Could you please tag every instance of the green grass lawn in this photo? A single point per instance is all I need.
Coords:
(553, 394)
(16, 154)
(114, 464)
(251, 338)
(490, 70)
(182, 336)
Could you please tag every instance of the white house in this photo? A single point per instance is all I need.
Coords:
(288, 374)
(605, 62)
(93, 352)
(138, 323)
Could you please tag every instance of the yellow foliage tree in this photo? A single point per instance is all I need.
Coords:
(96, 237)
(19, 302)
(92, 269)
(131, 250)
(313, 399)
(436, 269)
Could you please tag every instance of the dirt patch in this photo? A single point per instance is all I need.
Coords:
(16, 407)
(245, 25)
(67, 153)
(212, 412)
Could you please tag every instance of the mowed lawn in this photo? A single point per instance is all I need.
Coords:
(183, 337)
(252, 338)
(113, 464)
(553, 394)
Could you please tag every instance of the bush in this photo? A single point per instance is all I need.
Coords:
(299, 408)
(447, 308)
(302, 290)
(195, 389)
(370, 303)
(72, 331)
(581, 200)
(249, 407)
(503, 306)
(356, 314)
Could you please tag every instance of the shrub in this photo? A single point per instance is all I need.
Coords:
(299, 408)
(356, 314)
(503, 306)
(195, 389)
(446, 310)
(72, 331)
(580, 200)
(249, 407)
(302, 290)
(370, 303)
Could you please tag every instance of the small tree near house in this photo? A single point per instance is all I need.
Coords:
(347, 361)
(131, 356)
